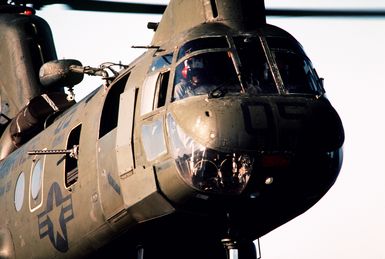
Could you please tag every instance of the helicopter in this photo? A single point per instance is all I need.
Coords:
(219, 133)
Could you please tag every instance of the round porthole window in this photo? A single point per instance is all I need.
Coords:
(36, 179)
(19, 191)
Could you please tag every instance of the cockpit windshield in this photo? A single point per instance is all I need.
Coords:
(254, 66)
(203, 43)
(295, 69)
(296, 73)
(202, 73)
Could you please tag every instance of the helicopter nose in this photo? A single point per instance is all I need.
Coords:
(261, 148)
(294, 124)
(262, 124)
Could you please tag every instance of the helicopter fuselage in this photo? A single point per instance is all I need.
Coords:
(221, 135)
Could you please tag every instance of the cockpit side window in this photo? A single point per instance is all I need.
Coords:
(202, 43)
(204, 73)
(161, 89)
(161, 62)
(155, 85)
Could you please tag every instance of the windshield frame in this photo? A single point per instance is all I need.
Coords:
(295, 48)
(284, 43)
(202, 45)
(202, 53)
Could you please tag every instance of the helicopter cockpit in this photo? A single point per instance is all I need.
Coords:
(244, 64)
(262, 70)
(204, 72)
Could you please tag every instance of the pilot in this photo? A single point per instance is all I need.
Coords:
(192, 75)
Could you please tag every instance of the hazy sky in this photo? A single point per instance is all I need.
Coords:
(349, 222)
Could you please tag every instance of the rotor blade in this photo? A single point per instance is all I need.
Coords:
(104, 6)
(125, 7)
(325, 13)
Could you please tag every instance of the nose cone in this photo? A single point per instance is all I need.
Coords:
(266, 159)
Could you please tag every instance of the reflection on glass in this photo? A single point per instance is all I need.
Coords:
(36, 179)
(206, 169)
(296, 73)
(161, 62)
(202, 43)
(294, 67)
(255, 68)
(19, 191)
(285, 43)
(200, 74)
(153, 139)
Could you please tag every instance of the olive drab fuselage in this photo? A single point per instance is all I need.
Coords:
(220, 131)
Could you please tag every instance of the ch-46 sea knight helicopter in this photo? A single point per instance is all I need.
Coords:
(219, 133)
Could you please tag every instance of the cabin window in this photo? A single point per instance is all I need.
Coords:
(148, 94)
(109, 118)
(36, 183)
(71, 159)
(153, 139)
(36, 179)
(19, 191)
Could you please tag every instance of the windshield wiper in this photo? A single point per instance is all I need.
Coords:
(218, 92)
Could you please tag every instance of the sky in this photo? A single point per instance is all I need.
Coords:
(349, 221)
